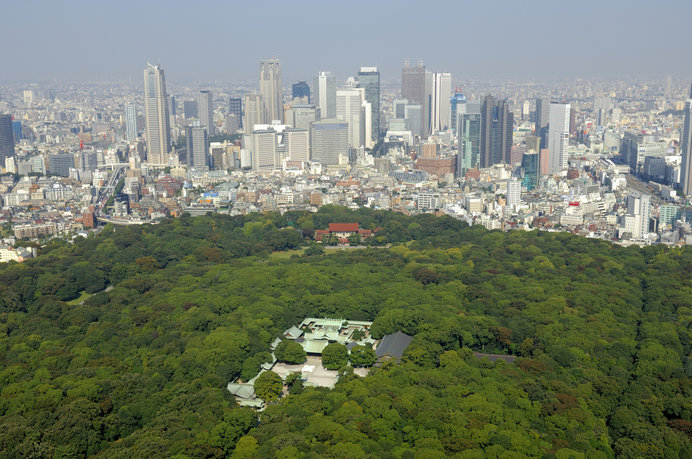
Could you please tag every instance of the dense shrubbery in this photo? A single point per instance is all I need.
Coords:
(602, 335)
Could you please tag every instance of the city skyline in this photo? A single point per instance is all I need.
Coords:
(596, 41)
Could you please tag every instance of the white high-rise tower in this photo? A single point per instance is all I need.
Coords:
(558, 137)
(156, 114)
(441, 102)
(325, 94)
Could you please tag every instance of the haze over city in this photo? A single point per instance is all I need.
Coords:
(222, 41)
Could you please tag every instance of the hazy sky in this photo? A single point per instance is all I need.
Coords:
(201, 40)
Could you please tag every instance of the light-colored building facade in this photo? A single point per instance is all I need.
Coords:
(558, 137)
(156, 116)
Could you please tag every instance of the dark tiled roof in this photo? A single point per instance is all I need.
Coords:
(393, 345)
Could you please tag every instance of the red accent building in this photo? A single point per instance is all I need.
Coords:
(343, 231)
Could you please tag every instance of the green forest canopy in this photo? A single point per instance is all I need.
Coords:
(601, 334)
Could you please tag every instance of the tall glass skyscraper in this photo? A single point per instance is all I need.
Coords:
(301, 91)
(686, 144)
(235, 106)
(530, 165)
(455, 102)
(131, 122)
(156, 114)
(206, 111)
(6, 139)
(469, 135)
(369, 79)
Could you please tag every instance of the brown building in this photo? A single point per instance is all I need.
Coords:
(437, 166)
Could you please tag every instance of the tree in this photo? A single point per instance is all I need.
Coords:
(290, 352)
(314, 249)
(334, 356)
(354, 239)
(362, 356)
(268, 386)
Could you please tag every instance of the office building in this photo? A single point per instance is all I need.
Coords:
(254, 112)
(301, 93)
(303, 115)
(131, 122)
(271, 89)
(264, 150)
(416, 86)
(413, 115)
(325, 94)
(60, 164)
(190, 109)
(235, 107)
(558, 137)
(542, 118)
(17, 130)
(497, 125)
(6, 139)
(513, 192)
(686, 149)
(530, 165)
(205, 106)
(172, 108)
(349, 108)
(369, 80)
(297, 144)
(636, 221)
(197, 144)
(156, 115)
(441, 103)
(328, 140)
(456, 105)
(669, 214)
(469, 142)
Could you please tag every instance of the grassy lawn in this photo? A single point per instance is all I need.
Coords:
(82, 297)
(285, 255)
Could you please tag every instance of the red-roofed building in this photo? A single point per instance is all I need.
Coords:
(343, 231)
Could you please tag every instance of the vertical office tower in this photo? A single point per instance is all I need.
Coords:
(172, 107)
(264, 150)
(456, 106)
(206, 111)
(328, 140)
(530, 166)
(303, 115)
(131, 122)
(542, 114)
(271, 89)
(156, 113)
(6, 139)
(190, 109)
(513, 192)
(369, 80)
(636, 221)
(325, 94)
(301, 92)
(558, 137)
(254, 112)
(469, 140)
(235, 107)
(349, 108)
(686, 144)
(297, 144)
(441, 109)
(497, 124)
(197, 146)
(416, 86)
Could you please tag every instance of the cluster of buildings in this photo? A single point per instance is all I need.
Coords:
(599, 158)
(313, 335)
